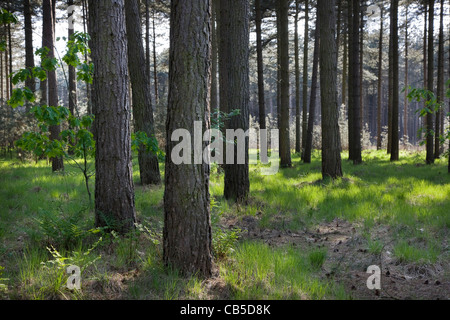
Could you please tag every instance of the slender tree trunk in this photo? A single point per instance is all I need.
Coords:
(305, 79)
(72, 73)
(345, 69)
(259, 52)
(187, 226)
(440, 84)
(430, 83)
(361, 64)
(313, 97)
(405, 106)
(114, 188)
(29, 54)
(147, 37)
(155, 66)
(331, 142)
(380, 81)
(141, 97)
(10, 59)
(234, 90)
(298, 144)
(393, 64)
(214, 59)
(285, 146)
(354, 106)
(85, 30)
(48, 39)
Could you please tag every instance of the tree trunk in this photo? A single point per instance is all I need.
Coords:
(234, 89)
(285, 146)
(29, 53)
(48, 39)
(305, 79)
(187, 226)
(147, 37)
(259, 52)
(313, 98)
(72, 73)
(440, 84)
(430, 83)
(354, 107)
(393, 65)
(380, 81)
(155, 67)
(114, 189)
(214, 59)
(141, 97)
(405, 106)
(331, 142)
(298, 144)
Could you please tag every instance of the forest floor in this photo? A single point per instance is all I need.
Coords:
(299, 237)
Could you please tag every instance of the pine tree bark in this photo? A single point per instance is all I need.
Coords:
(305, 79)
(72, 73)
(283, 31)
(48, 39)
(405, 105)
(234, 88)
(259, 53)
(331, 142)
(298, 146)
(393, 65)
(354, 107)
(313, 97)
(141, 97)
(440, 84)
(29, 53)
(187, 227)
(429, 127)
(380, 81)
(114, 188)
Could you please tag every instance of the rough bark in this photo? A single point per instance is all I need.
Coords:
(429, 126)
(380, 80)
(29, 53)
(393, 66)
(141, 97)
(234, 88)
(298, 145)
(285, 146)
(187, 227)
(114, 189)
(354, 107)
(405, 105)
(305, 78)
(331, 143)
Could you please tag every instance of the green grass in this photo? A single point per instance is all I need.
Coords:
(39, 209)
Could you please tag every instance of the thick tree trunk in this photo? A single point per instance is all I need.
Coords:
(313, 98)
(354, 107)
(187, 227)
(430, 83)
(331, 142)
(114, 189)
(29, 53)
(285, 145)
(393, 65)
(141, 97)
(234, 89)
